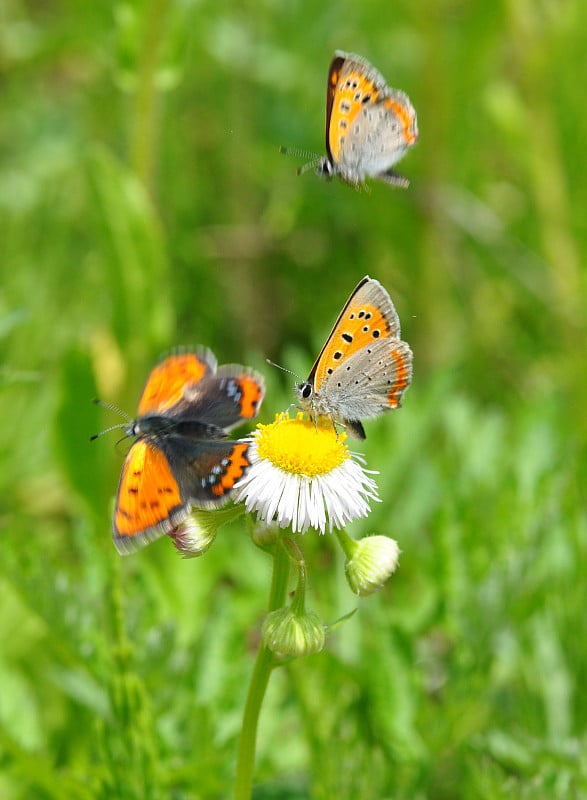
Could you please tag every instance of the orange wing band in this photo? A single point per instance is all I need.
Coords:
(403, 373)
(252, 394)
(406, 119)
(234, 470)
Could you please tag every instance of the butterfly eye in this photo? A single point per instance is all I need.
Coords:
(134, 429)
(306, 390)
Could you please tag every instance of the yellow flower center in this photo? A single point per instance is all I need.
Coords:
(302, 446)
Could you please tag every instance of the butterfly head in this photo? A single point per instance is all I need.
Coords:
(324, 168)
(319, 406)
(305, 393)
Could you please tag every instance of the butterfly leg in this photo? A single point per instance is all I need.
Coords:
(394, 179)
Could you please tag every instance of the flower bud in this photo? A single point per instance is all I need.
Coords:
(195, 534)
(264, 534)
(290, 632)
(373, 561)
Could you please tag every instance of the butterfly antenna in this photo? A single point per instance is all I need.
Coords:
(119, 411)
(107, 430)
(314, 160)
(112, 407)
(316, 163)
(283, 369)
(297, 152)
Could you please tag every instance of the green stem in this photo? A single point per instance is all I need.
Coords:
(259, 680)
(298, 604)
(144, 120)
(349, 546)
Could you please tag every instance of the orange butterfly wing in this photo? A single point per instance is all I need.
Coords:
(352, 83)
(148, 502)
(367, 317)
(166, 383)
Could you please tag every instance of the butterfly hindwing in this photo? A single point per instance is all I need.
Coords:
(161, 482)
(206, 472)
(231, 395)
(387, 122)
(371, 381)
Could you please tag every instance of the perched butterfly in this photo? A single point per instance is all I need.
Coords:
(181, 457)
(369, 125)
(364, 368)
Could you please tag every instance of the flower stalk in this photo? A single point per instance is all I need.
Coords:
(292, 631)
(259, 680)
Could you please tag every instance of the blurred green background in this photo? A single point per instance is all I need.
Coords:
(144, 204)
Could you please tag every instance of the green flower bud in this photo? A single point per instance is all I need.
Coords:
(373, 560)
(290, 632)
(264, 534)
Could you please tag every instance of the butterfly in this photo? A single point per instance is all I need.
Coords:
(180, 457)
(369, 125)
(364, 367)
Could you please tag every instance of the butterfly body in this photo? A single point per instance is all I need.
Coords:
(158, 427)
(181, 458)
(364, 367)
(369, 125)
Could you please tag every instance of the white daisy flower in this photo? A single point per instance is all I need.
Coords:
(302, 475)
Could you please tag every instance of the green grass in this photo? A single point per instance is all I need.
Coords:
(144, 204)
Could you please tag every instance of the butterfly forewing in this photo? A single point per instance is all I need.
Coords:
(364, 368)
(187, 386)
(148, 502)
(369, 315)
(167, 381)
(352, 85)
(333, 78)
